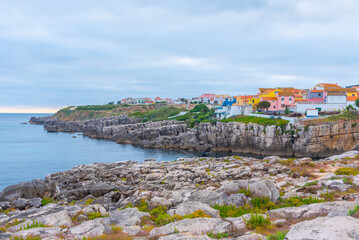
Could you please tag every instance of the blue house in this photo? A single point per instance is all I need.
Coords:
(229, 101)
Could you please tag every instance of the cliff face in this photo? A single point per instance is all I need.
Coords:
(293, 140)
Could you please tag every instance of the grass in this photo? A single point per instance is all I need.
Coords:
(278, 235)
(46, 201)
(263, 204)
(94, 215)
(89, 201)
(25, 238)
(160, 217)
(34, 224)
(313, 183)
(246, 191)
(159, 114)
(257, 120)
(218, 235)
(257, 220)
(328, 196)
(353, 211)
(347, 171)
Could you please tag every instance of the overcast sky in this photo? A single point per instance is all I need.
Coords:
(59, 53)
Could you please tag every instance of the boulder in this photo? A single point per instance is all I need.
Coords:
(29, 190)
(325, 228)
(193, 226)
(126, 217)
(87, 229)
(40, 232)
(58, 219)
(183, 236)
(159, 201)
(312, 210)
(186, 208)
(207, 196)
(238, 199)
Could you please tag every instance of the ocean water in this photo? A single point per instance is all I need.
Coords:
(28, 151)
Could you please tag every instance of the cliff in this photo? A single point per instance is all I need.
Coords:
(292, 140)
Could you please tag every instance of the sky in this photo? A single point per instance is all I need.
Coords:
(60, 53)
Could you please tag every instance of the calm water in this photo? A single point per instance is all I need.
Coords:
(28, 151)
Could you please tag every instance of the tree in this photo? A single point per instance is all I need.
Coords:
(118, 102)
(263, 105)
(286, 111)
(110, 103)
(357, 102)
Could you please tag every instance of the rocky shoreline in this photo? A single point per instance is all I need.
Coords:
(196, 198)
(292, 140)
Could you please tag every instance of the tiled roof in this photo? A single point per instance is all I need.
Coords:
(269, 98)
(336, 94)
(285, 94)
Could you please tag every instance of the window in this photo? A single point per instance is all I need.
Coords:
(273, 106)
(353, 95)
(290, 99)
(319, 94)
(282, 99)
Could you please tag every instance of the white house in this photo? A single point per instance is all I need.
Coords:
(335, 101)
(230, 111)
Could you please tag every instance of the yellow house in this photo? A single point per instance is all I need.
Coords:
(254, 100)
(270, 93)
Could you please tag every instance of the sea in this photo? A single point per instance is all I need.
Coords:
(29, 152)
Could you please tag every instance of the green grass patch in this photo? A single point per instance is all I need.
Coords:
(34, 224)
(94, 215)
(354, 210)
(278, 235)
(218, 235)
(347, 171)
(257, 120)
(46, 201)
(257, 220)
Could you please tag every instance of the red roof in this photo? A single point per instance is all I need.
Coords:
(208, 95)
(269, 98)
(158, 98)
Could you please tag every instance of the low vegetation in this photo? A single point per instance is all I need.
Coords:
(34, 224)
(159, 114)
(353, 211)
(347, 171)
(218, 235)
(280, 235)
(94, 215)
(46, 201)
(258, 120)
(257, 220)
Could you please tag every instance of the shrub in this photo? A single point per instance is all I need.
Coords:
(218, 235)
(347, 181)
(232, 210)
(347, 171)
(25, 238)
(46, 201)
(260, 202)
(354, 210)
(143, 206)
(278, 236)
(246, 191)
(89, 201)
(311, 183)
(34, 224)
(299, 201)
(328, 196)
(354, 124)
(257, 120)
(94, 215)
(257, 220)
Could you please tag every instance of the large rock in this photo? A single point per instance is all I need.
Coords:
(208, 197)
(258, 187)
(40, 232)
(29, 190)
(186, 208)
(181, 236)
(312, 210)
(91, 228)
(126, 217)
(58, 219)
(326, 228)
(193, 226)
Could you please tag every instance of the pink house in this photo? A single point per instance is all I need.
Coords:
(280, 102)
(273, 103)
(285, 99)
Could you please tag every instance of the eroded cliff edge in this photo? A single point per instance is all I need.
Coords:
(292, 140)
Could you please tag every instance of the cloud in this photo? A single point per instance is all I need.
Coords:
(71, 53)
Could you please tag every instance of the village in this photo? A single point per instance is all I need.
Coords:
(321, 98)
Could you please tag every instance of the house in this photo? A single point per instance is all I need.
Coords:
(230, 111)
(244, 100)
(285, 100)
(148, 102)
(229, 101)
(206, 98)
(158, 100)
(322, 86)
(335, 101)
(273, 103)
(316, 95)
